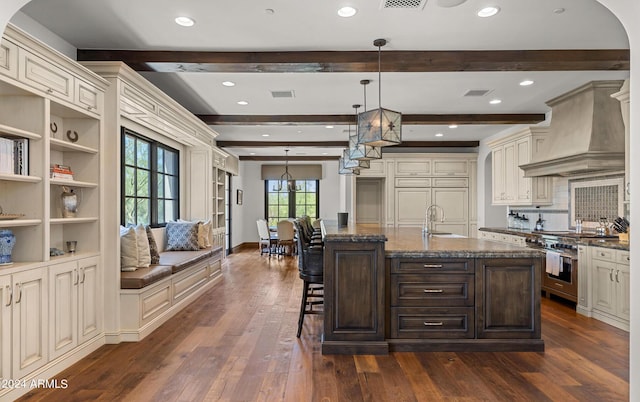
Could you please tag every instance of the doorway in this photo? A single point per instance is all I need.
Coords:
(369, 200)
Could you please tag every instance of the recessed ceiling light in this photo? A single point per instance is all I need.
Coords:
(185, 21)
(495, 101)
(488, 11)
(252, 153)
(328, 126)
(243, 103)
(347, 11)
(325, 153)
(526, 83)
(228, 83)
(299, 131)
(265, 135)
(453, 126)
(439, 135)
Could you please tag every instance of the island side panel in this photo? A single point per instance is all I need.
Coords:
(508, 298)
(354, 297)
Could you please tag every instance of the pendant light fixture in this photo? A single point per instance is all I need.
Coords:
(362, 151)
(380, 127)
(286, 178)
(346, 162)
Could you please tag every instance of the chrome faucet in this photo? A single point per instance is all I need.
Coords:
(431, 215)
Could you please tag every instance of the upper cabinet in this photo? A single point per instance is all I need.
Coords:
(509, 185)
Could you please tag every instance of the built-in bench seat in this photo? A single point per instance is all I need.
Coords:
(151, 296)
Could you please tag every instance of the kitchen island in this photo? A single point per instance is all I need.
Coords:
(393, 289)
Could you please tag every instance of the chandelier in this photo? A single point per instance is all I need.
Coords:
(380, 127)
(286, 178)
(362, 151)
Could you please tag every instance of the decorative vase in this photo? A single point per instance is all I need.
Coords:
(69, 202)
(7, 241)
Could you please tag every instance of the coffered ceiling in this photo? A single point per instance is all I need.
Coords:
(298, 64)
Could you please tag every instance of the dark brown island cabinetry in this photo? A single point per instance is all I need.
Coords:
(393, 290)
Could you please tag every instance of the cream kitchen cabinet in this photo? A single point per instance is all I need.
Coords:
(75, 307)
(610, 287)
(509, 186)
(450, 167)
(411, 205)
(413, 167)
(24, 319)
(377, 168)
(8, 58)
(455, 203)
(583, 306)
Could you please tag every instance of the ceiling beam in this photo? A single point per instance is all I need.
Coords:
(407, 119)
(341, 144)
(290, 158)
(365, 61)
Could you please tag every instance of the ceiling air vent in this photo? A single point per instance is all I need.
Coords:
(477, 92)
(405, 4)
(282, 94)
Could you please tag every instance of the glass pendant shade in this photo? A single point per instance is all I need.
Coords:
(354, 163)
(380, 128)
(345, 170)
(362, 151)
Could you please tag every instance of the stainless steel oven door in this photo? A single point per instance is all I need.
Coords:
(565, 284)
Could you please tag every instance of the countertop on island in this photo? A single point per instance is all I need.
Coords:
(409, 242)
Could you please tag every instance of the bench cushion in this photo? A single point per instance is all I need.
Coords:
(180, 260)
(144, 276)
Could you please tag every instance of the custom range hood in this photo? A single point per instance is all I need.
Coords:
(586, 134)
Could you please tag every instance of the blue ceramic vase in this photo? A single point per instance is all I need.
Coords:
(7, 241)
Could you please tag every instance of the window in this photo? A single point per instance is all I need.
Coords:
(150, 181)
(283, 204)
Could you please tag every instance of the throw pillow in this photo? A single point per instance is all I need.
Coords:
(153, 246)
(128, 249)
(208, 228)
(182, 236)
(144, 256)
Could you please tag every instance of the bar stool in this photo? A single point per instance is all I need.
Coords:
(310, 265)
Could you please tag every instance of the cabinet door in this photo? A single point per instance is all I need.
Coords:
(623, 292)
(89, 299)
(583, 279)
(45, 76)
(523, 184)
(88, 97)
(510, 173)
(30, 321)
(508, 305)
(455, 203)
(497, 175)
(63, 308)
(411, 205)
(8, 59)
(604, 292)
(450, 167)
(413, 168)
(6, 300)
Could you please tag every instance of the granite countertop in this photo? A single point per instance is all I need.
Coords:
(612, 243)
(409, 242)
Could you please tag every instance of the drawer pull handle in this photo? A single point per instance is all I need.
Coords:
(433, 324)
(433, 291)
(559, 285)
(9, 292)
(601, 254)
(617, 279)
(611, 275)
(432, 265)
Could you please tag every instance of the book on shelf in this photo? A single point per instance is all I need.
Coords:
(57, 171)
(14, 155)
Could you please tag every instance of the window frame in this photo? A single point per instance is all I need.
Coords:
(153, 169)
(292, 204)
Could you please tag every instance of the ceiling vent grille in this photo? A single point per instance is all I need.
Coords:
(404, 4)
(282, 94)
(477, 92)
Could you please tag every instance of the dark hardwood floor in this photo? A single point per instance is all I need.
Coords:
(237, 343)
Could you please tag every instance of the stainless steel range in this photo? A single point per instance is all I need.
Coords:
(563, 281)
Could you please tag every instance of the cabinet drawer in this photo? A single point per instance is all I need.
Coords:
(435, 290)
(412, 322)
(185, 283)
(450, 182)
(43, 75)
(8, 59)
(154, 302)
(413, 182)
(605, 254)
(623, 257)
(432, 266)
